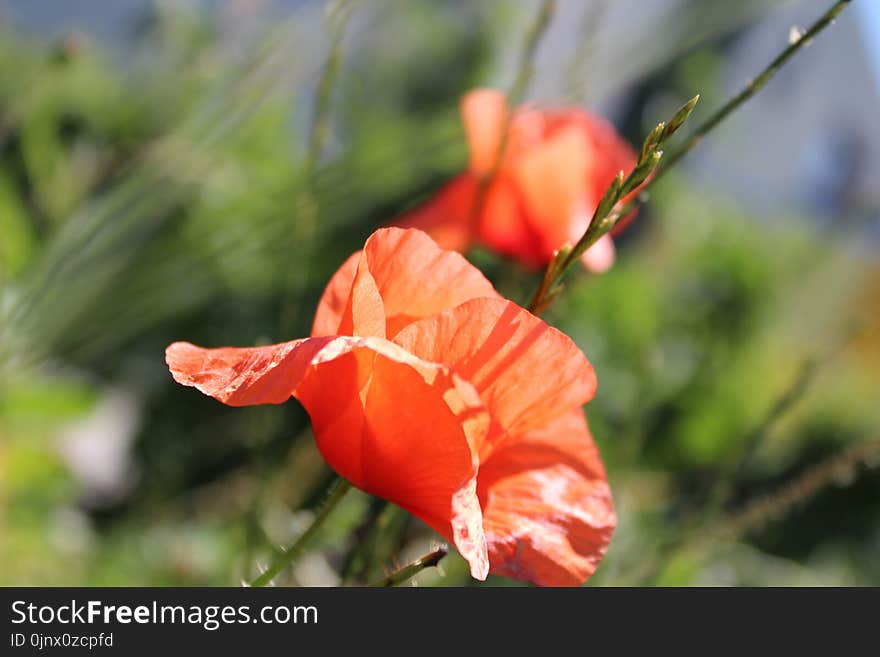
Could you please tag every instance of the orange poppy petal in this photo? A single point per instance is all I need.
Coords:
(244, 376)
(484, 114)
(401, 275)
(608, 152)
(356, 311)
(612, 153)
(528, 129)
(526, 372)
(336, 296)
(551, 178)
(504, 227)
(415, 278)
(393, 425)
(547, 508)
(446, 216)
(365, 311)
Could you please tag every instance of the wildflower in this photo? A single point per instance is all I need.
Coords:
(542, 193)
(428, 389)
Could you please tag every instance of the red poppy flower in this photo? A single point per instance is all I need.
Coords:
(428, 389)
(556, 165)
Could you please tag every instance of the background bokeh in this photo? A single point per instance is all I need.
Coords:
(156, 184)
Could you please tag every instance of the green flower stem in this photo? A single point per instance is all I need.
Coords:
(338, 490)
(338, 15)
(401, 575)
(526, 60)
(521, 82)
(753, 87)
(841, 469)
(307, 208)
(383, 538)
(729, 473)
(610, 209)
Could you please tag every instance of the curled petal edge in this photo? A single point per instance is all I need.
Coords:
(272, 374)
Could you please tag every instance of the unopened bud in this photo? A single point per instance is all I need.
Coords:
(680, 116)
(653, 141)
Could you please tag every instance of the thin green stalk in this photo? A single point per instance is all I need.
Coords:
(307, 211)
(580, 65)
(260, 434)
(753, 87)
(520, 84)
(526, 66)
(401, 575)
(606, 213)
(80, 261)
(726, 478)
(382, 536)
(693, 524)
(339, 488)
(610, 209)
(321, 112)
(841, 469)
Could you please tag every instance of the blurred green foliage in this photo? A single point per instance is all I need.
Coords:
(157, 200)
